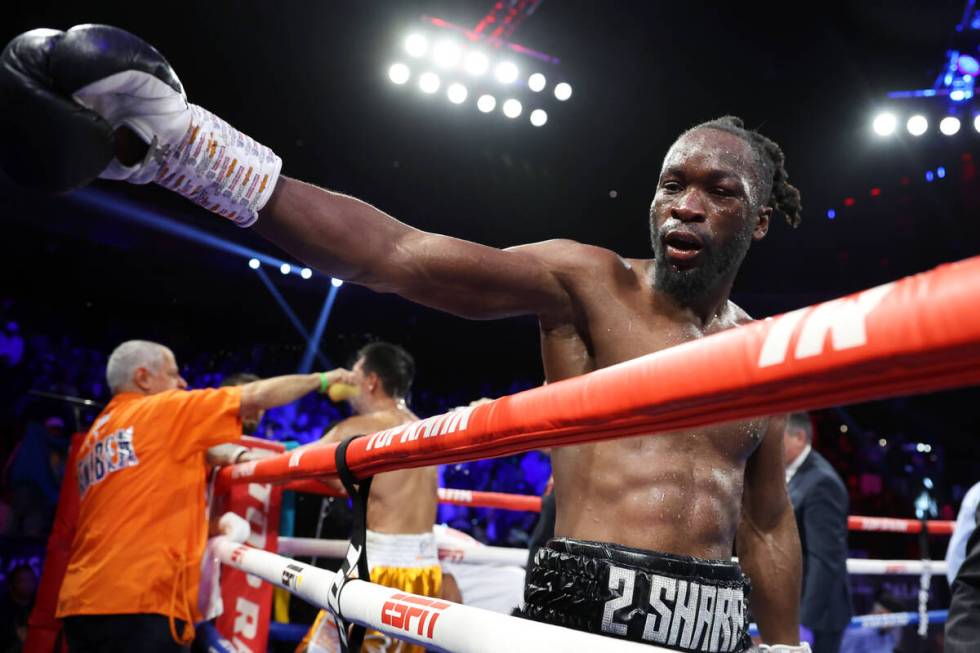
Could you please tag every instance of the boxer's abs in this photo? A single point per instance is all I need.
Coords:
(677, 493)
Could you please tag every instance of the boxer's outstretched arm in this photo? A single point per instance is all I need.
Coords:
(767, 544)
(350, 239)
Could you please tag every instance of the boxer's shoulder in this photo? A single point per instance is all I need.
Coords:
(572, 259)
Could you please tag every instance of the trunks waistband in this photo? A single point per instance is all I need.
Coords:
(414, 550)
(677, 602)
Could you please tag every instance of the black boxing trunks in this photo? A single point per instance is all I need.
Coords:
(676, 602)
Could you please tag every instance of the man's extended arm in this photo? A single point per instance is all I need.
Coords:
(768, 544)
(282, 390)
(350, 239)
(96, 101)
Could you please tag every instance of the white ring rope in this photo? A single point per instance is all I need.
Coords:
(895, 567)
(437, 625)
(450, 550)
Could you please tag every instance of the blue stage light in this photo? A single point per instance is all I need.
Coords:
(337, 283)
(831, 214)
(254, 263)
(929, 175)
(968, 65)
(940, 172)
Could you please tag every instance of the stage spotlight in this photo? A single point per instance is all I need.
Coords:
(968, 65)
(475, 63)
(884, 124)
(254, 263)
(336, 283)
(416, 45)
(429, 82)
(941, 172)
(284, 268)
(457, 93)
(958, 95)
(976, 122)
(506, 72)
(539, 117)
(949, 125)
(563, 91)
(446, 53)
(486, 103)
(512, 108)
(306, 273)
(917, 125)
(399, 73)
(536, 82)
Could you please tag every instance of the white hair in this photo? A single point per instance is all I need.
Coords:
(130, 356)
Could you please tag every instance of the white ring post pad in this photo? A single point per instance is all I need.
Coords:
(918, 334)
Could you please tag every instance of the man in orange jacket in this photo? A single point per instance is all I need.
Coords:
(133, 576)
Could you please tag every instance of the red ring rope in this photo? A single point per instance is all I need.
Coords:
(893, 525)
(917, 334)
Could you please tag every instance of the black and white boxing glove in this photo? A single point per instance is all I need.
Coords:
(63, 96)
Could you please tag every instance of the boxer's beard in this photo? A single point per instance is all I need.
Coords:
(690, 285)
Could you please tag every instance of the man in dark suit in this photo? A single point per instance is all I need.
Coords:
(820, 504)
(963, 626)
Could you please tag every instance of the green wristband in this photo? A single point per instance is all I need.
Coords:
(324, 384)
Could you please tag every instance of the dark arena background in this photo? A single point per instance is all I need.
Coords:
(883, 198)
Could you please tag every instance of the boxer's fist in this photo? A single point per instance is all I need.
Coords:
(63, 94)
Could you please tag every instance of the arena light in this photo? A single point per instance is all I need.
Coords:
(476, 63)
(486, 103)
(506, 72)
(457, 93)
(949, 125)
(536, 82)
(399, 73)
(976, 122)
(254, 263)
(336, 283)
(512, 108)
(429, 82)
(884, 124)
(968, 65)
(539, 117)
(416, 45)
(284, 268)
(563, 91)
(446, 53)
(917, 125)
(306, 273)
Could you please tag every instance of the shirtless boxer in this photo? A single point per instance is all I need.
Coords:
(645, 525)
(401, 545)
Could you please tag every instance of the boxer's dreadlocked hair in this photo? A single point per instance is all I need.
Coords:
(782, 196)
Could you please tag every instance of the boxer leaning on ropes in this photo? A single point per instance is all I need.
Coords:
(645, 525)
(401, 511)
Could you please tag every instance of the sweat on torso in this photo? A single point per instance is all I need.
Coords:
(677, 492)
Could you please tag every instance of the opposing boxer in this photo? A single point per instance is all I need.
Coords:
(401, 545)
(646, 525)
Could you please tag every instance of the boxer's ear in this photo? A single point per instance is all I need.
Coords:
(763, 217)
